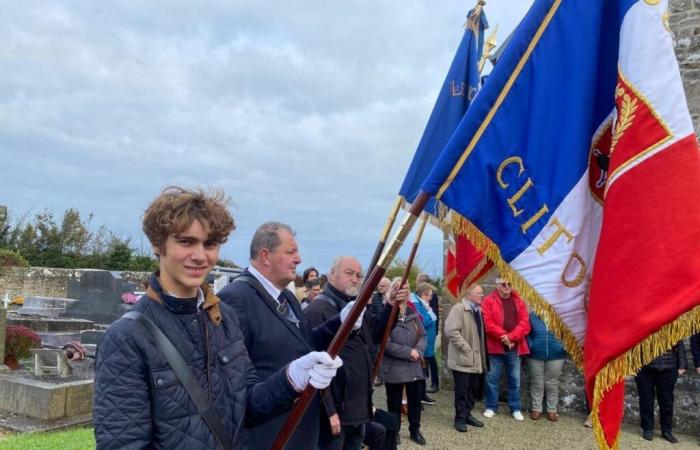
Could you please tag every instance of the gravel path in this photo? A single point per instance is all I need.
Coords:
(502, 432)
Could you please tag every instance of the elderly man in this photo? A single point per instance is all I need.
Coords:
(467, 356)
(274, 328)
(350, 401)
(380, 296)
(507, 324)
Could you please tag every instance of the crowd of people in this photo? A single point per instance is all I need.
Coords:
(190, 368)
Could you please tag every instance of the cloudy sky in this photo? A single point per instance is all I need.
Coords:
(303, 112)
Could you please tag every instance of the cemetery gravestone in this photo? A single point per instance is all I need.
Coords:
(99, 295)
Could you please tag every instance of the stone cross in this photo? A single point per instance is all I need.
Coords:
(6, 300)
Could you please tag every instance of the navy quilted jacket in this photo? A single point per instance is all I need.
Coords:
(139, 402)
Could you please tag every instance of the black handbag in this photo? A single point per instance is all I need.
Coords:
(186, 377)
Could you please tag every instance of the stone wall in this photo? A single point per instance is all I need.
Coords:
(47, 282)
(686, 418)
(685, 24)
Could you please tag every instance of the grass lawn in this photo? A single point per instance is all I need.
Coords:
(73, 439)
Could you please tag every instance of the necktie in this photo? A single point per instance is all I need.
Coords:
(283, 306)
(284, 309)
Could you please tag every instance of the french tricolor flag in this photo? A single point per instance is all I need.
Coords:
(577, 170)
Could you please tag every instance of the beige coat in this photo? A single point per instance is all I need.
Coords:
(466, 351)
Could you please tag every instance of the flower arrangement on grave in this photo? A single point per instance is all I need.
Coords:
(19, 300)
(18, 341)
(129, 298)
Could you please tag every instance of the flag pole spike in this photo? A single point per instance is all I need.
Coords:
(489, 45)
(395, 309)
(363, 297)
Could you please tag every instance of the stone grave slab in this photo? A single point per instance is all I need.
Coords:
(44, 306)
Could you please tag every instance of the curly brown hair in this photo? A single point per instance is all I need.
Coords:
(176, 208)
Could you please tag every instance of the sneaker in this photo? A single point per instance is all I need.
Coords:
(489, 413)
(432, 390)
(427, 400)
(517, 415)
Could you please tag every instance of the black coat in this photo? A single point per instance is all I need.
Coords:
(673, 359)
(139, 402)
(351, 388)
(695, 349)
(273, 342)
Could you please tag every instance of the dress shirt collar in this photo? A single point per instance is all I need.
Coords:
(267, 284)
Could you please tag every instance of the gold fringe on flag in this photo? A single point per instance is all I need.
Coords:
(461, 226)
(630, 362)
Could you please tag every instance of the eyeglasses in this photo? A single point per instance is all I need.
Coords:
(504, 284)
(353, 274)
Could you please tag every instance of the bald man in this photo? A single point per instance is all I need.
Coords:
(350, 400)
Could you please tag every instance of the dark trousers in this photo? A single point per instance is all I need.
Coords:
(350, 438)
(414, 394)
(433, 368)
(467, 387)
(659, 382)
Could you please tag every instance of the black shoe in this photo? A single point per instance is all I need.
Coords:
(418, 438)
(433, 389)
(461, 427)
(471, 420)
(427, 400)
(648, 435)
(669, 437)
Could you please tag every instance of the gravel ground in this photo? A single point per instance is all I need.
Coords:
(502, 432)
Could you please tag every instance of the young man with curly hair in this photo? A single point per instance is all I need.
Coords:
(140, 401)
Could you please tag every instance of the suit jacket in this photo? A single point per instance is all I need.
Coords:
(273, 342)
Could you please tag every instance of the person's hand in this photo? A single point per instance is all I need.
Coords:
(399, 296)
(335, 424)
(510, 346)
(681, 371)
(345, 312)
(506, 341)
(697, 370)
(316, 368)
(415, 356)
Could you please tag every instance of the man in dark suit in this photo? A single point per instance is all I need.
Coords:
(274, 328)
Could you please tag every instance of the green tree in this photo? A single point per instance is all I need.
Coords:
(119, 257)
(8, 258)
(75, 234)
(397, 269)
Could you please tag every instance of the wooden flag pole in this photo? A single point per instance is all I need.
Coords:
(385, 233)
(395, 309)
(361, 301)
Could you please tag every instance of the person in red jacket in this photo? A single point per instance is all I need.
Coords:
(507, 323)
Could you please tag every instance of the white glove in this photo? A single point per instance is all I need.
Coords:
(346, 311)
(316, 368)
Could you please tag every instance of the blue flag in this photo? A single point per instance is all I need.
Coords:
(458, 90)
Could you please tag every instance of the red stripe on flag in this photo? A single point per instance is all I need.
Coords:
(647, 265)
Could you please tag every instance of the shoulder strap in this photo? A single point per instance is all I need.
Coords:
(186, 377)
(329, 300)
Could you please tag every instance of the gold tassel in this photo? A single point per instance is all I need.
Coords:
(630, 362)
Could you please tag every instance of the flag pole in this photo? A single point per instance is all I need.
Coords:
(344, 331)
(395, 309)
(385, 233)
